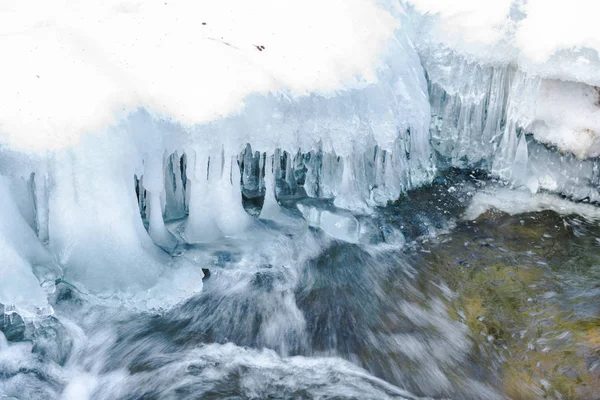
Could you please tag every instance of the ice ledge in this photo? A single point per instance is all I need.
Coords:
(535, 132)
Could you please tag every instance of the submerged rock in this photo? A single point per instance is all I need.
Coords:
(501, 269)
(12, 325)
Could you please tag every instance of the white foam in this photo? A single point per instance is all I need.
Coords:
(80, 388)
(553, 25)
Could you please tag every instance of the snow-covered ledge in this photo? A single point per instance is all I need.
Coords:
(97, 96)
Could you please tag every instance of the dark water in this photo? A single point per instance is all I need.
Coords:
(423, 304)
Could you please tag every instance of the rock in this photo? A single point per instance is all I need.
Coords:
(569, 372)
(52, 341)
(12, 326)
(592, 364)
(206, 273)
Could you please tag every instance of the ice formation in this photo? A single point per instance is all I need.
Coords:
(119, 118)
(513, 88)
(147, 146)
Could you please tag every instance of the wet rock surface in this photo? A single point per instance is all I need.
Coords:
(526, 286)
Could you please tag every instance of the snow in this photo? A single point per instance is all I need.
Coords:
(552, 25)
(545, 38)
(20, 252)
(483, 22)
(77, 67)
(520, 201)
(568, 116)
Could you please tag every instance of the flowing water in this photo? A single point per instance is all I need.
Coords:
(438, 296)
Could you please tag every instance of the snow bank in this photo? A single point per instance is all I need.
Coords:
(568, 115)
(78, 67)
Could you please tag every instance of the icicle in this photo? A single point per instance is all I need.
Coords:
(519, 166)
(22, 191)
(270, 209)
(186, 182)
(156, 226)
(331, 175)
(496, 108)
(313, 168)
(349, 196)
(201, 227)
(520, 172)
(141, 196)
(379, 193)
(300, 173)
(290, 177)
(40, 185)
(503, 162)
(393, 183)
(262, 159)
(277, 173)
(154, 181)
(17, 230)
(468, 105)
(231, 216)
(174, 193)
(250, 179)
